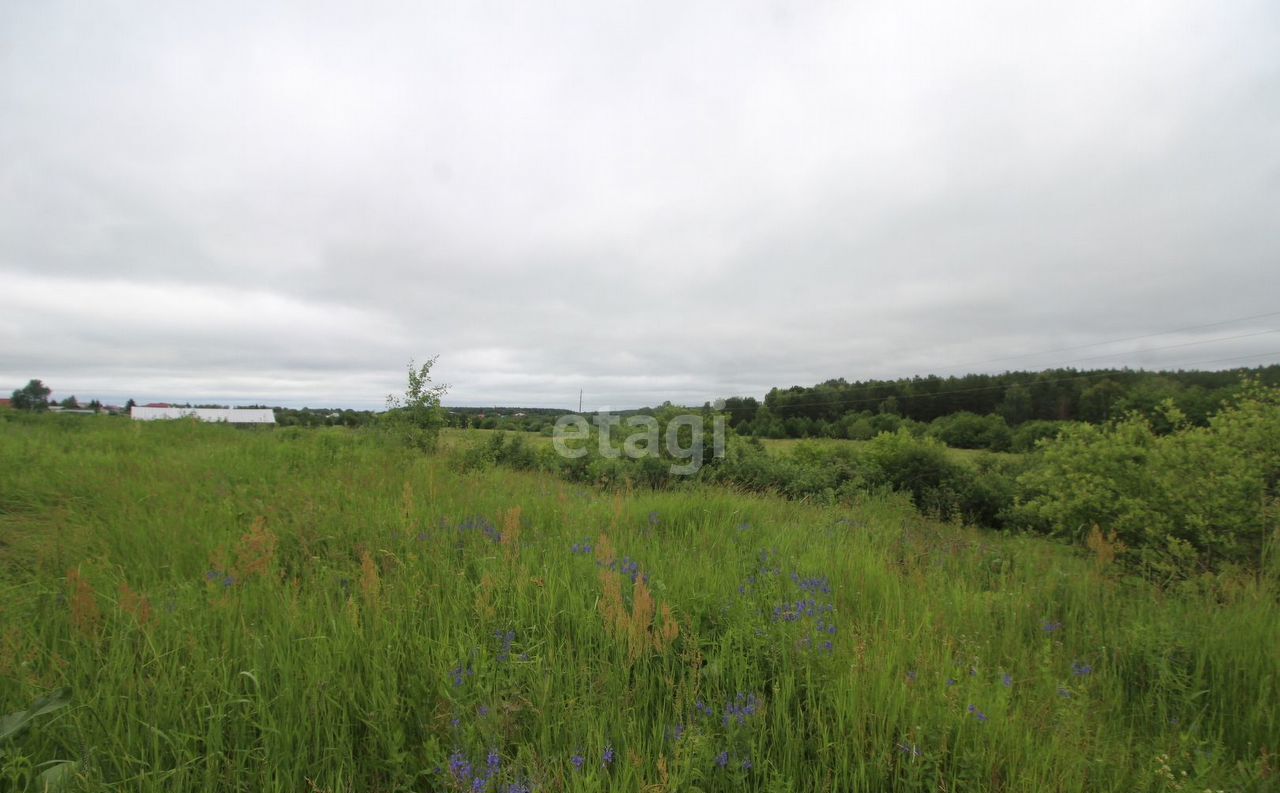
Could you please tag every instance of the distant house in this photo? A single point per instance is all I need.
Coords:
(157, 405)
(6, 403)
(223, 415)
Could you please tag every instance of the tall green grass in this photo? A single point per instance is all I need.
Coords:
(315, 610)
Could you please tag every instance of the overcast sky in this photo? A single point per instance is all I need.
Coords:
(257, 202)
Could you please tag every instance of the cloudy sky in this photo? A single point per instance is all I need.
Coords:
(284, 203)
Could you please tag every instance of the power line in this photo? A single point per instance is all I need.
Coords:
(1174, 346)
(999, 388)
(1116, 341)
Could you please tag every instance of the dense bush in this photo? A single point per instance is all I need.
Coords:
(1029, 433)
(966, 430)
(1193, 499)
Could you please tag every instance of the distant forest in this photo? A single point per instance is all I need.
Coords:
(840, 409)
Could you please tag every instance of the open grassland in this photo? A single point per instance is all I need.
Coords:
(784, 445)
(458, 438)
(319, 610)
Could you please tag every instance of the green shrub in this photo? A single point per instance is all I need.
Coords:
(1029, 433)
(1191, 500)
(966, 430)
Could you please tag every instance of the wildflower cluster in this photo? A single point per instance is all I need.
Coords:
(809, 607)
(627, 567)
(482, 525)
(735, 718)
(481, 778)
(460, 674)
(220, 577)
(583, 547)
(973, 710)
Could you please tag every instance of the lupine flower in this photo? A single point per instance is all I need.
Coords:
(981, 716)
(460, 767)
(608, 756)
(1050, 627)
(494, 762)
(479, 784)
(740, 709)
(722, 759)
(746, 764)
(578, 761)
(1081, 669)
(910, 749)
(482, 711)
(1007, 680)
(950, 681)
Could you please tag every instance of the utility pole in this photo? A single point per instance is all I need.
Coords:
(579, 400)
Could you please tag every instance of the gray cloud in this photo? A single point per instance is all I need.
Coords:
(672, 201)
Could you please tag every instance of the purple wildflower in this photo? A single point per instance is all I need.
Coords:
(722, 759)
(460, 767)
(608, 756)
(578, 761)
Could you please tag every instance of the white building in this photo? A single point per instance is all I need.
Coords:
(228, 415)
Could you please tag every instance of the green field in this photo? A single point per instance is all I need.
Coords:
(453, 438)
(783, 445)
(320, 610)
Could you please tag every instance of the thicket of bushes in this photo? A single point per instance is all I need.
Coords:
(1168, 501)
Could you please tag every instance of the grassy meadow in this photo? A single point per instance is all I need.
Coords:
(320, 610)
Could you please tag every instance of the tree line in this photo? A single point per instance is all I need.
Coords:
(862, 409)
